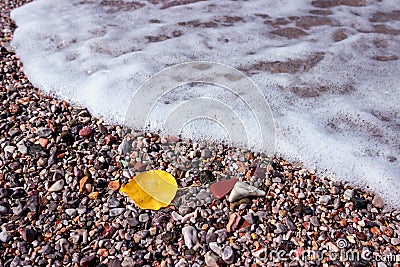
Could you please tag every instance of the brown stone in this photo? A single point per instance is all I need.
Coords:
(385, 58)
(234, 222)
(14, 108)
(321, 12)
(312, 21)
(109, 139)
(82, 184)
(114, 185)
(306, 225)
(139, 166)
(94, 195)
(332, 3)
(387, 231)
(289, 32)
(385, 16)
(291, 66)
(339, 35)
(375, 231)
(43, 142)
(361, 236)
(343, 222)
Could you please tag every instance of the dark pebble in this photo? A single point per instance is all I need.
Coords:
(28, 234)
(5, 192)
(88, 261)
(359, 203)
(19, 193)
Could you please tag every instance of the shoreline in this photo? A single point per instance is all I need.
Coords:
(49, 218)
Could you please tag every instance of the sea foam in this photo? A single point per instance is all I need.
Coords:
(330, 74)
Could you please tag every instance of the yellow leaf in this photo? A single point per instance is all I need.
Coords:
(152, 189)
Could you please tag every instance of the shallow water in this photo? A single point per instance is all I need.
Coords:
(329, 72)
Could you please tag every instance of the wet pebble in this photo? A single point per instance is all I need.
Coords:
(190, 236)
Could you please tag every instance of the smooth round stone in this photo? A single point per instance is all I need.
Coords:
(378, 202)
(3, 210)
(5, 237)
(227, 255)
(70, 212)
(144, 218)
(325, 200)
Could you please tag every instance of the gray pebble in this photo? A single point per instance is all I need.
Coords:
(128, 261)
(249, 218)
(227, 255)
(116, 211)
(190, 236)
(9, 149)
(184, 210)
(202, 195)
(222, 236)
(206, 153)
(5, 237)
(70, 212)
(314, 221)
(280, 228)
(43, 132)
(214, 247)
(348, 194)
(3, 210)
(395, 241)
(290, 224)
(132, 222)
(181, 263)
(176, 216)
(124, 147)
(114, 263)
(113, 203)
(325, 200)
(22, 148)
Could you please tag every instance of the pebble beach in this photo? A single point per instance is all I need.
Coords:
(60, 205)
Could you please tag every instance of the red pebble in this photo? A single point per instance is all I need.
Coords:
(221, 188)
(109, 139)
(85, 131)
